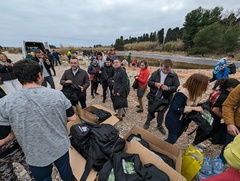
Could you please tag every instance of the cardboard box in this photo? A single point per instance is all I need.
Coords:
(158, 145)
(146, 156)
(86, 115)
(77, 162)
(71, 123)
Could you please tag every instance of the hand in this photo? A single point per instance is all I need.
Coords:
(68, 82)
(81, 88)
(113, 92)
(158, 85)
(232, 130)
(118, 94)
(198, 108)
(100, 72)
(164, 87)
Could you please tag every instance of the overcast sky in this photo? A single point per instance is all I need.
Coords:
(91, 22)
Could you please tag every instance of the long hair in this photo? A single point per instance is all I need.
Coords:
(196, 85)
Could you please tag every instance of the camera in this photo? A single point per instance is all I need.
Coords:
(9, 61)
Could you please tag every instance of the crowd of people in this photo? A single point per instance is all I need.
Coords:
(26, 140)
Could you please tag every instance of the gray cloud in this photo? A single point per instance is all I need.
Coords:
(90, 22)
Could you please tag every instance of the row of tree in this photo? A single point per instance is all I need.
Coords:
(204, 31)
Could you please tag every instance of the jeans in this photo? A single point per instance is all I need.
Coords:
(45, 173)
(94, 86)
(82, 101)
(104, 87)
(48, 79)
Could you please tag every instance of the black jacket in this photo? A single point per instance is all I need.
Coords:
(80, 78)
(171, 81)
(107, 74)
(120, 82)
(6, 73)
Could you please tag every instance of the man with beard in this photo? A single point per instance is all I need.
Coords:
(79, 77)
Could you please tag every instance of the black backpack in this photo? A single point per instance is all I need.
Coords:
(80, 136)
(101, 114)
(139, 139)
(204, 121)
(232, 68)
(71, 91)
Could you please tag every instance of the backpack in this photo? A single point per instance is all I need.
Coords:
(71, 91)
(139, 139)
(101, 114)
(232, 68)
(204, 121)
(213, 97)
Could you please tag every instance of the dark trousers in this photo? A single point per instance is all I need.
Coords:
(48, 79)
(229, 139)
(58, 61)
(44, 173)
(175, 130)
(52, 66)
(82, 101)
(94, 86)
(213, 78)
(160, 114)
(105, 86)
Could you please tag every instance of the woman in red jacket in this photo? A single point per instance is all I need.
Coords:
(142, 78)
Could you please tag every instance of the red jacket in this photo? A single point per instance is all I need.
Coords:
(143, 77)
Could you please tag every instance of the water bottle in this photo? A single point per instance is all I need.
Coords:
(218, 166)
(201, 176)
(206, 169)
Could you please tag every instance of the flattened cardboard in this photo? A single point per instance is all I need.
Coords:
(146, 156)
(78, 163)
(158, 145)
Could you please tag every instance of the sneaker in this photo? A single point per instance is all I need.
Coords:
(139, 111)
(146, 125)
(162, 130)
(123, 115)
(201, 145)
(137, 106)
(96, 93)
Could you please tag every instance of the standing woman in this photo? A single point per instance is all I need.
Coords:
(6, 73)
(185, 101)
(142, 78)
(119, 88)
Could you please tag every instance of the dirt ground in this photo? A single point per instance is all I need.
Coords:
(132, 118)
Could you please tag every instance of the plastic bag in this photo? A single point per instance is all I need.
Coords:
(192, 160)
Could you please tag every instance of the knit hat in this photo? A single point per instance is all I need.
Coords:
(232, 153)
(92, 58)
